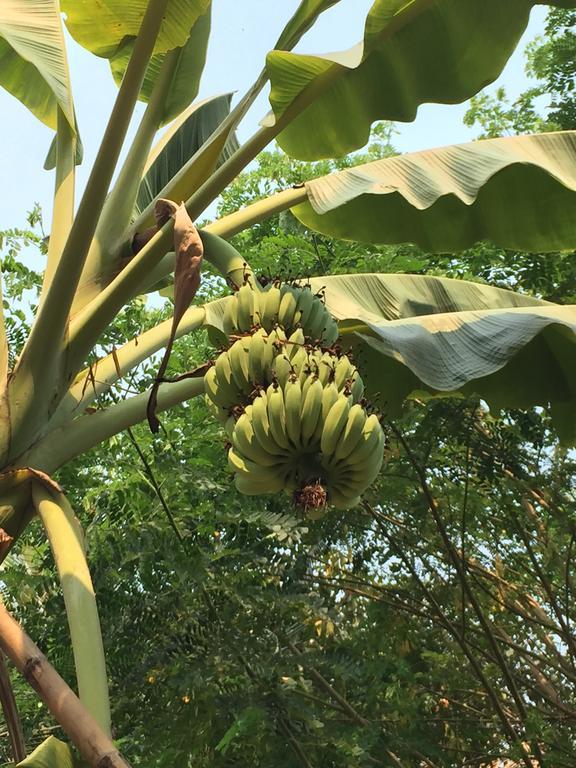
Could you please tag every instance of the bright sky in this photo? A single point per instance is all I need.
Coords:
(242, 33)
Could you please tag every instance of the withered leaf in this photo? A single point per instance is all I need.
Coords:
(189, 251)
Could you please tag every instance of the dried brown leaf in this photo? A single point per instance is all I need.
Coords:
(189, 252)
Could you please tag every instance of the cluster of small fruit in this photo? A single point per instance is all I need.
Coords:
(291, 403)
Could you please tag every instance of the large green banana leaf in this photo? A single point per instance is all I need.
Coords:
(302, 20)
(33, 63)
(414, 332)
(452, 335)
(52, 753)
(519, 192)
(102, 26)
(182, 140)
(413, 51)
(188, 68)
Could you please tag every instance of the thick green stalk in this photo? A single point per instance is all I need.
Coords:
(92, 382)
(185, 182)
(86, 328)
(78, 436)
(227, 227)
(117, 210)
(230, 225)
(66, 539)
(35, 384)
(63, 212)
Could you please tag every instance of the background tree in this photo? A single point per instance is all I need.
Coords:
(366, 638)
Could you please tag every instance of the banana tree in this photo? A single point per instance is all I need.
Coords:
(126, 237)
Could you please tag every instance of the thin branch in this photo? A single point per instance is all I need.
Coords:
(464, 511)
(451, 628)
(293, 741)
(151, 476)
(458, 565)
(321, 680)
(546, 585)
(11, 715)
(567, 582)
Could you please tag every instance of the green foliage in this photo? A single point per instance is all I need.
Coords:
(552, 61)
(431, 625)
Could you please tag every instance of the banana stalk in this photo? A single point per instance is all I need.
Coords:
(66, 539)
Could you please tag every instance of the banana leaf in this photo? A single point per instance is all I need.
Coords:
(33, 62)
(185, 81)
(412, 53)
(52, 753)
(180, 142)
(302, 20)
(102, 26)
(519, 192)
(413, 332)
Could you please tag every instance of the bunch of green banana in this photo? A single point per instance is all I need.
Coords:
(329, 367)
(246, 365)
(302, 434)
(285, 305)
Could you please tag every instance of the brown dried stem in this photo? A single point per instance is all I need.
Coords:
(85, 733)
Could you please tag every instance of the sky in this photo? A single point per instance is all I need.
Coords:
(242, 33)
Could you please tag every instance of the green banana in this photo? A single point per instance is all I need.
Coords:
(247, 444)
(316, 321)
(357, 388)
(239, 463)
(282, 368)
(372, 439)
(230, 319)
(311, 408)
(245, 300)
(277, 415)
(334, 425)
(305, 303)
(352, 432)
(225, 380)
(329, 397)
(287, 308)
(251, 485)
(221, 414)
(293, 405)
(229, 427)
(269, 315)
(213, 390)
(331, 331)
(340, 501)
(261, 426)
(239, 354)
(296, 341)
(343, 371)
(256, 356)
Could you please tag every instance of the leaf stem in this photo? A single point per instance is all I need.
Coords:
(76, 437)
(67, 543)
(63, 212)
(99, 377)
(42, 355)
(230, 225)
(119, 204)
